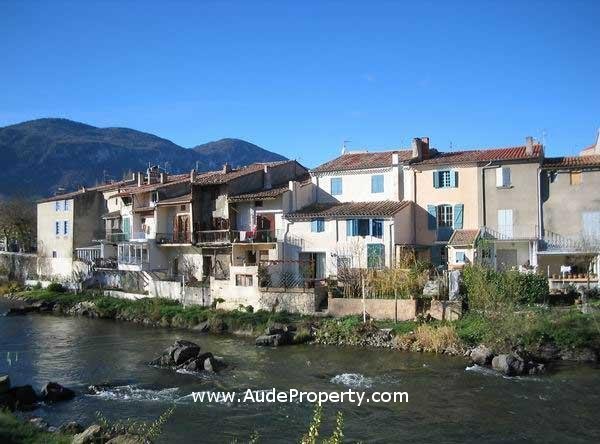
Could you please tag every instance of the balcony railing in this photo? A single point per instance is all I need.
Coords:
(582, 242)
(117, 237)
(235, 236)
(178, 237)
(511, 232)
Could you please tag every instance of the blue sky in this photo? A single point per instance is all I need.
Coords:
(300, 77)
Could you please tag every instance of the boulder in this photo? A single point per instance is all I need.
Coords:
(202, 327)
(509, 364)
(54, 392)
(24, 396)
(579, 355)
(279, 328)
(127, 439)
(19, 311)
(184, 352)
(4, 384)
(92, 435)
(481, 355)
(274, 340)
(70, 428)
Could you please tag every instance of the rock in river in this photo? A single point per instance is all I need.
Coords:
(481, 355)
(186, 355)
(54, 392)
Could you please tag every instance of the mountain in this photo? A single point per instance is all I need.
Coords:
(41, 156)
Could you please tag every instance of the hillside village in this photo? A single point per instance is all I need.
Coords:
(277, 234)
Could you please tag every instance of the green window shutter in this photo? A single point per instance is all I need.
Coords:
(436, 179)
(458, 216)
(432, 217)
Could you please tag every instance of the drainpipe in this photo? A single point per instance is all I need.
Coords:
(483, 207)
(392, 244)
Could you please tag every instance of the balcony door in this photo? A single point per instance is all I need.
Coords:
(505, 223)
(181, 228)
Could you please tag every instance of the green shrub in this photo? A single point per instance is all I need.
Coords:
(56, 287)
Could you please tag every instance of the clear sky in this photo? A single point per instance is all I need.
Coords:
(299, 77)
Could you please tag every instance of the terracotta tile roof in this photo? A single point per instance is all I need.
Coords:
(384, 208)
(219, 177)
(179, 200)
(98, 188)
(143, 209)
(362, 161)
(463, 237)
(134, 189)
(480, 156)
(590, 160)
(260, 195)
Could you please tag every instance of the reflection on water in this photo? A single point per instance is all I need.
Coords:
(447, 402)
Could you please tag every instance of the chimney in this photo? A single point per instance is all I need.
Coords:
(134, 176)
(193, 175)
(267, 185)
(597, 147)
(529, 145)
(425, 147)
(140, 179)
(226, 168)
(395, 159)
(163, 177)
(417, 148)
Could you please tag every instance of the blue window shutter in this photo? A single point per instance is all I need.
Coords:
(336, 186)
(460, 256)
(432, 217)
(436, 179)
(313, 225)
(458, 216)
(377, 183)
(350, 227)
(453, 176)
(320, 225)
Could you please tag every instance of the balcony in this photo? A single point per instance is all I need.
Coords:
(174, 238)
(578, 243)
(116, 237)
(511, 232)
(236, 236)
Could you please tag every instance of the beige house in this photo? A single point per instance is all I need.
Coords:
(65, 223)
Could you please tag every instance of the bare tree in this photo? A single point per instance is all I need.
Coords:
(18, 223)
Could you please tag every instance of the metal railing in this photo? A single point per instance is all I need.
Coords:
(117, 237)
(176, 237)
(511, 232)
(235, 236)
(582, 242)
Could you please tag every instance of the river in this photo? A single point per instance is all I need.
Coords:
(447, 402)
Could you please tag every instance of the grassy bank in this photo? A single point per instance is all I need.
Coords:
(13, 430)
(166, 312)
(529, 327)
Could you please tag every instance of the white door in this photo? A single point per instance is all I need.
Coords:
(505, 223)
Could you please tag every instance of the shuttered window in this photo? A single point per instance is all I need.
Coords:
(503, 177)
(445, 179)
(576, 177)
(377, 183)
(377, 228)
(505, 223)
(336, 186)
(317, 225)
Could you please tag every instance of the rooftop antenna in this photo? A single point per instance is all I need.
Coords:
(544, 134)
(197, 166)
(344, 147)
(450, 145)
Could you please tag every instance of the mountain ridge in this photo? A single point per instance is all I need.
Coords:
(44, 155)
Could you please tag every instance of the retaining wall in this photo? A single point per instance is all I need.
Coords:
(406, 309)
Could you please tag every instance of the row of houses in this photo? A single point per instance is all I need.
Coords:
(281, 225)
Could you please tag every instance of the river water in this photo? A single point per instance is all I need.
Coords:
(447, 402)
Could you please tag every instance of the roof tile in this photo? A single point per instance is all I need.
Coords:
(383, 208)
(362, 161)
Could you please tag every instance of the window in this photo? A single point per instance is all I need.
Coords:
(65, 227)
(375, 257)
(336, 186)
(57, 205)
(503, 177)
(243, 280)
(258, 203)
(377, 228)
(317, 225)
(154, 197)
(54, 254)
(183, 208)
(57, 228)
(66, 205)
(377, 183)
(357, 227)
(445, 179)
(576, 177)
(344, 263)
(460, 257)
(444, 216)
(505, 223)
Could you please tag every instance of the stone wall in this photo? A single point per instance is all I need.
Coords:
(292, 300)
(18, 266)
(407, 309)
(376, 308)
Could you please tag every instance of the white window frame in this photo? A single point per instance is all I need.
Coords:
(445, 212)
(503, 177)
(444, 178)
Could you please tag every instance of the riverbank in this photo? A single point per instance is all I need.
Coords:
(15, 430)
(543, 334)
